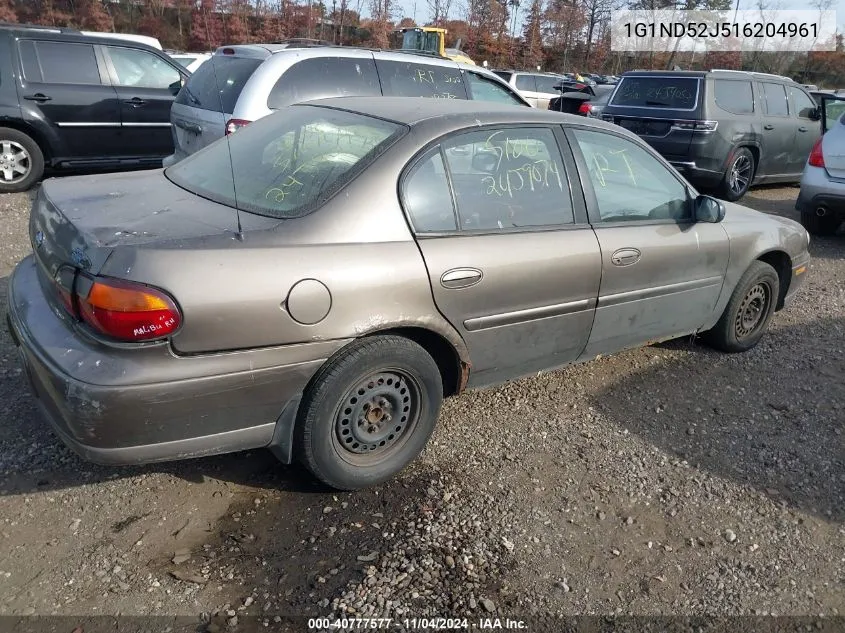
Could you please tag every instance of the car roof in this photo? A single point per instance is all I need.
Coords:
(453, 113)
(715, 72)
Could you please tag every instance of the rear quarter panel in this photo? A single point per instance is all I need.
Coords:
(233, 293)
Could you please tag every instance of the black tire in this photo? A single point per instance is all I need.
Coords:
(738, 175)
(747, 315)
(18, 151)
(368, 412)
(823, 226)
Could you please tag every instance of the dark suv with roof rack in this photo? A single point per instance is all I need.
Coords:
(724, 130)
(69, 100)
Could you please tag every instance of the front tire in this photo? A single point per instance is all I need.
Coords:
(738, 176)
(747, 315)
(823, 226)
(368, 412)
(21, 161)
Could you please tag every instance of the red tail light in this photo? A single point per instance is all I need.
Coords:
(233, 125)
(816, 156)
(584, 108)
(128, 311)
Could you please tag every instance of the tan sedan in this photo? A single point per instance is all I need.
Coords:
(319, 281)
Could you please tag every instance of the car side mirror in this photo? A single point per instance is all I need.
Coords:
(815, 114)
(708, 209)
(176, 86)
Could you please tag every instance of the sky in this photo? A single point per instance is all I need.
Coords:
(408, 8)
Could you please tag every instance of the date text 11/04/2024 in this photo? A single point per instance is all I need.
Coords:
(335, 625)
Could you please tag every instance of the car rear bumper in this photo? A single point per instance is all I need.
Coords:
(818, 190)
(102, 403)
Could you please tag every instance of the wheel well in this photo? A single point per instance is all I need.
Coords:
(441, 350)
(781, 262)
(32, 132)
(755, 152)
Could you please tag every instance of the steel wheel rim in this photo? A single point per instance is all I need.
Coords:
(15, 162)
(740, 174)
(376, 417)
(752, 311)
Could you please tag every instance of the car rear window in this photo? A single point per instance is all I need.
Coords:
(412, 79)
(323, 77)
(287, 164)
(677, 93)
(217, 84)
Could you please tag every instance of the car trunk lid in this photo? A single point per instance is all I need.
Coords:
(77, 223)
(833, 150)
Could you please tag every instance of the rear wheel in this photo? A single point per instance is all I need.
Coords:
(820, 225)
(738, 176)
(368, 412)
(21, 161)
(747, 315)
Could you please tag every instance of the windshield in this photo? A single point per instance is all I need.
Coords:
(287, 164)
(421, 41)
(678, 93)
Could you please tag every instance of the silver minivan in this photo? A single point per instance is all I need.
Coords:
(241, 84)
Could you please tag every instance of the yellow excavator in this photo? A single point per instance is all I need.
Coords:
(429, 39)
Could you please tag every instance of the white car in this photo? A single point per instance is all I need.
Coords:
(190, 61)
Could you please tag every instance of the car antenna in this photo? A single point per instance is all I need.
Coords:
(240, 234)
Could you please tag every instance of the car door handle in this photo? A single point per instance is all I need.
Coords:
(134, 102)
(768, 127)
(39, 97)
(190, 127)
(802, 129)
(460, 278)
(625, 257)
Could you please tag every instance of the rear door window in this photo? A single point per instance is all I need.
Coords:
(526, 82)
(547, 84)
(323, 77)
(412, 79)
(734, 96)
(676, 93)
(775, 96)
(60, 63)
(232, 73)
(483, 88)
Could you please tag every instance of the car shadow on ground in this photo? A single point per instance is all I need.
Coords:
(770, 419)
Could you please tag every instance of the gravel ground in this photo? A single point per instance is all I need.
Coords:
(668, 480)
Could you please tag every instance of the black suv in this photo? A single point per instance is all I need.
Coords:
(68, 100)
(724, 130)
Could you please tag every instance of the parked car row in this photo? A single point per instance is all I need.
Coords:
(94, 101)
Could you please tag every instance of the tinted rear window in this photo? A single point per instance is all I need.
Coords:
(59, 62)
(324, 77)
(679, 93)
(412, 79)
(217, 84)
(285, 166)
(733, 96)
